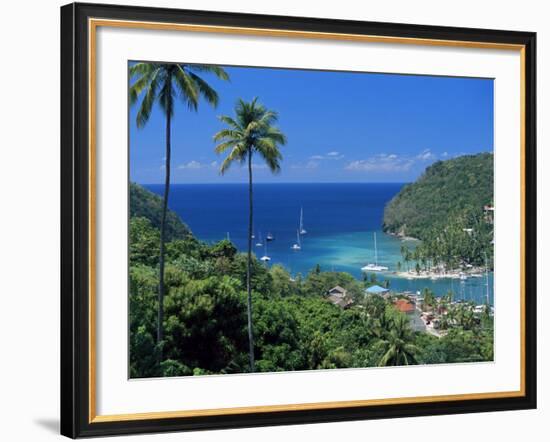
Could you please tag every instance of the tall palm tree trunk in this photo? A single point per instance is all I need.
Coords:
(248, 266)
(160, 319)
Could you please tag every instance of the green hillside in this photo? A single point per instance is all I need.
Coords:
(146, 204)
(445, 191)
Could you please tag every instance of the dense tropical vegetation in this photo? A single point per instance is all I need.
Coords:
(145, 204)
(445, 209)
(445, 190)
(295, 325)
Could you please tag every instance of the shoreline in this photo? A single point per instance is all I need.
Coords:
(475, 272)
(402, 237)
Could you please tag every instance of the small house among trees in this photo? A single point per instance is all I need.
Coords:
(339, 296)
(404, 306)
(377, 290)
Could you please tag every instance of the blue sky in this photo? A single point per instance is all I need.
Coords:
(341, 127)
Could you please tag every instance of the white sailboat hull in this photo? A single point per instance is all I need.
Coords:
(374, 268)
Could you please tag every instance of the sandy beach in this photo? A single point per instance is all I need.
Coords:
(474, 272)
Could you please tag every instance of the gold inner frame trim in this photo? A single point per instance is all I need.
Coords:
(93, 24)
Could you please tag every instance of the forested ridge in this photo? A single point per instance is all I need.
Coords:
(446, 189)
(144, 203)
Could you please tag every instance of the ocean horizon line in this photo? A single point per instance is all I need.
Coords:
(276, 183)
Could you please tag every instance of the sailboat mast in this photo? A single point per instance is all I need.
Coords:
(375, 251)
(301, 219)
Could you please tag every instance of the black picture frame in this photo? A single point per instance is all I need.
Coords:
(75, 194)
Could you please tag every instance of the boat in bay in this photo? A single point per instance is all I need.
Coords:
(374, 267)
(297, 245)
(266, 258)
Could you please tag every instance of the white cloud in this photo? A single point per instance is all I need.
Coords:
(426, 155)
(334, 155)
(191, 165)
(381, 164)
(390, 162)
(196, 165)
(311, 164)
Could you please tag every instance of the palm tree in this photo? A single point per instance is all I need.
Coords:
(164, 83)
(397, 346)
(405, 252)
(252, 131)
(429, 298)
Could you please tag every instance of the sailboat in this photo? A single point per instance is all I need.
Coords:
(298, 245)
(265, 258)
(269, 237)
(259, 243)
(374, 267)
(302, 230)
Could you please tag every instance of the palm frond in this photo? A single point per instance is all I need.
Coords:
(187, 87)
(140, 84)
(221, 148)
(166, 96)
(268, 118)
(209, 94)
(149, 98)
(227, 133)
(230, 122)
(270, 153)
(142, 69)
(276, 135)
(214, 69)
(237, 154)
(388, 356)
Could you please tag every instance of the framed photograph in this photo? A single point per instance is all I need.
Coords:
(279, 220)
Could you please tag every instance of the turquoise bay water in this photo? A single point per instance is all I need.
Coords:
(340, 220)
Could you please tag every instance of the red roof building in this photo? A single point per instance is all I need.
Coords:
(404, 306)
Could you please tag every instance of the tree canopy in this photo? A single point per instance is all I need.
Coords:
(446, 189)
(296, 326)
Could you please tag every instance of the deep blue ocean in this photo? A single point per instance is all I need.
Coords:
(340, 220)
